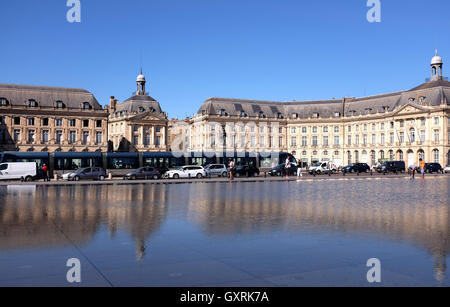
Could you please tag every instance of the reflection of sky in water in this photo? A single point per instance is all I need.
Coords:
(264, 228)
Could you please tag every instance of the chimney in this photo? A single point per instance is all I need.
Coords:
(113, 103)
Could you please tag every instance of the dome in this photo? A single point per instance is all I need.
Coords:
(140, 78)
(436, 59)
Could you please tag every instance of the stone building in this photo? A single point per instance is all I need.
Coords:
(39, 118)
(138, 123)
(405, 125)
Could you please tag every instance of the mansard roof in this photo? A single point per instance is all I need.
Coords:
(46, 96)
(428, 94)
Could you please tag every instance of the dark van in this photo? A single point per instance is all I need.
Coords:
(392, 167)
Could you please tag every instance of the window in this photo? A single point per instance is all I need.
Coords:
(304, 130)
(374, 139)
(99, 124)
(436, 156)
(135, 128)
(30, 121)
(402, 124)
(85, 137)
(349, 128)
(44, 136)
(336, 140)
(72, 137)
(58, 136)
(357, 140)
(357, 128)
(401, 138)
(280, 141)
(422, 135)
(423, 122)
(135, 140)
(336, 129)
(382, 139)
(325, 140)
(158, 140)
(86, 106)
(382, 126)
(147, 139)
(2, 120)
(365, 139)
(436, 136)
(60, 105)
(58, 122)
(253, 141)
(73, 123)
(3, 102)
(293, 141)
(412, 135)
(325, 129)
(436, 120)
(98, 137)
(45, 122)
(16, 120)
(325, 153)
(158, 129)
(293, 130)
(315, 115)
(314, 140)
(391, 155)
(261, 129)
(30, 136)
(349, 140)
(86, 123)
(365, 127)
(261, 141)
(374, 127)
(32, 103)
(391, 138)
(16, 135)
(304, 141)
(314, 129)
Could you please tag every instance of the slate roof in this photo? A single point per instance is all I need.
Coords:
(139, 104)
(432, 94)
(46, 96)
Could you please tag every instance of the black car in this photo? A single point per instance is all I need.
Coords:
(143, 173)
(391, 166)
(246, 171)
(356, 168)
(280, 170)
(433, 168)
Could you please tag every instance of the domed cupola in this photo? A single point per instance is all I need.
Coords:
(436, 67)
(140, 80)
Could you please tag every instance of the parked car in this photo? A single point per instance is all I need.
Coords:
(26, 171)
(433, 168)
(162, 170)
(216, 170)
(143, 173)
(391, 166)
(356, 168)
(189, 171)
(246, 170)
(447, 169)
(322, 168)
(280, 170)
(93, 173)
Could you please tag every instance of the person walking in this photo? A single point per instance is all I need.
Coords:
(422, 168)
(299, 170)
(287, 166)
(45, 173)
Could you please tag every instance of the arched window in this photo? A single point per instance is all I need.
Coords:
(436, 156)
(356, 156)
(381, 154)
(373, 157)
(400, 155)
(421, 154)
(391, 155)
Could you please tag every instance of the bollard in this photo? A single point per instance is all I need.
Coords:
(265, 174)
(343, 173)
(371, 173)
(109, 176)
(55, 177)
(358, 172)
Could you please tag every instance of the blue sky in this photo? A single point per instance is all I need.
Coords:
(194, 49)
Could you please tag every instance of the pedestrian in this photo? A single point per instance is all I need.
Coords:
(287, 166)
(412, 171)
(299, 170)
(45, 173)
(232, 167)
(422, 167)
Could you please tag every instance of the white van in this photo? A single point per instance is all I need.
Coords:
(25, 171)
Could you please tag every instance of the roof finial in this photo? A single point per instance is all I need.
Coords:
(141, 66)
(436, 52)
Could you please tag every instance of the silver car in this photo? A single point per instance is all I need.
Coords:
(216, 170)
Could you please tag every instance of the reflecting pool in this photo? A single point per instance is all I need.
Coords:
(316, 233)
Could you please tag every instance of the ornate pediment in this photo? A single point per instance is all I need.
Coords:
(410, 108)
(148, 117)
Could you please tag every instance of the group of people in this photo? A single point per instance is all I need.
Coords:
(413, 168)
(288, 166)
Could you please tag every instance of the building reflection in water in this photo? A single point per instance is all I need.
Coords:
(415, 212)
(38, 218)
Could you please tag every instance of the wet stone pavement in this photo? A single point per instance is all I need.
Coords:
(307, 233)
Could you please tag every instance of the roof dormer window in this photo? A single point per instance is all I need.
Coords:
(60, 105)
(243, 114)
(411, 99)
(86, 106)
(315, 115)
(32, 103)
(422, 99)
(141, 110)
(385, 108)
(294, 115)
(261, 114)
(223, 113)
(337, 114)
(3, 102)
(279, 115)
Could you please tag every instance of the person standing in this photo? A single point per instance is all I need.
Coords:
(232, 166)
(299, 170)
(287, 166)
(422, 167)
(45, 173)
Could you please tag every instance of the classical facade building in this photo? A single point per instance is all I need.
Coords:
(138, 123)
(405, 125)
(39, 118)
